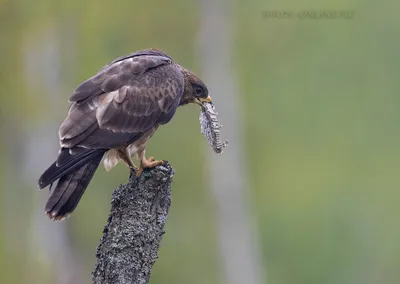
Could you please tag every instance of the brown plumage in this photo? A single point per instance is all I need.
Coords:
(112, 115)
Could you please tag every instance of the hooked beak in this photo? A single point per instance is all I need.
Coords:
(200, 101)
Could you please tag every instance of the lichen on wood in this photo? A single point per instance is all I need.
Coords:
(135, 226)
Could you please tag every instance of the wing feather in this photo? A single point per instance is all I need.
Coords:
(126, 98)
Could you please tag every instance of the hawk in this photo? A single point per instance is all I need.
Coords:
(112, 115)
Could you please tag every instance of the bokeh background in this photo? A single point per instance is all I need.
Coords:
(308, 189)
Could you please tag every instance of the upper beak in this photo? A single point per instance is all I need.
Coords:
(207, 100)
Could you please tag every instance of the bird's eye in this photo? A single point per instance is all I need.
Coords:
(198, 91)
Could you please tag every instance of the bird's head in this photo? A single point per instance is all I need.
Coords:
(195, 90)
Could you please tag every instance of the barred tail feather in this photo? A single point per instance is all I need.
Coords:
(70, 187)
(73, 169)
(67, 162)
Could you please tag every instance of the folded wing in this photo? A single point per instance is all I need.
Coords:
(126, 98)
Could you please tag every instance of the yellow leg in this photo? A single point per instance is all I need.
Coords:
(127, 160)
(147, 163)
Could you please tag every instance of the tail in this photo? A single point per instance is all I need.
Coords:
(73, 172)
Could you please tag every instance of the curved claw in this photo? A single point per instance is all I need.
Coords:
(147, 164)
(133, 171)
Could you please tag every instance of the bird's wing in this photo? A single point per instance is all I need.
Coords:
(126, 98)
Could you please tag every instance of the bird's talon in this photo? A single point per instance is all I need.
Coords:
(148, 163)
(133, 172)
(139, 172)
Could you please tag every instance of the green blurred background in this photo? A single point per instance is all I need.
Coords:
(319, 105)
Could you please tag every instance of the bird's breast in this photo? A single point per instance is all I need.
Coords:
(139, 145)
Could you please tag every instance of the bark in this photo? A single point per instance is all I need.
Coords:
(132, 236)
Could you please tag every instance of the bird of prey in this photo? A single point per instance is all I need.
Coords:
(112, 115)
